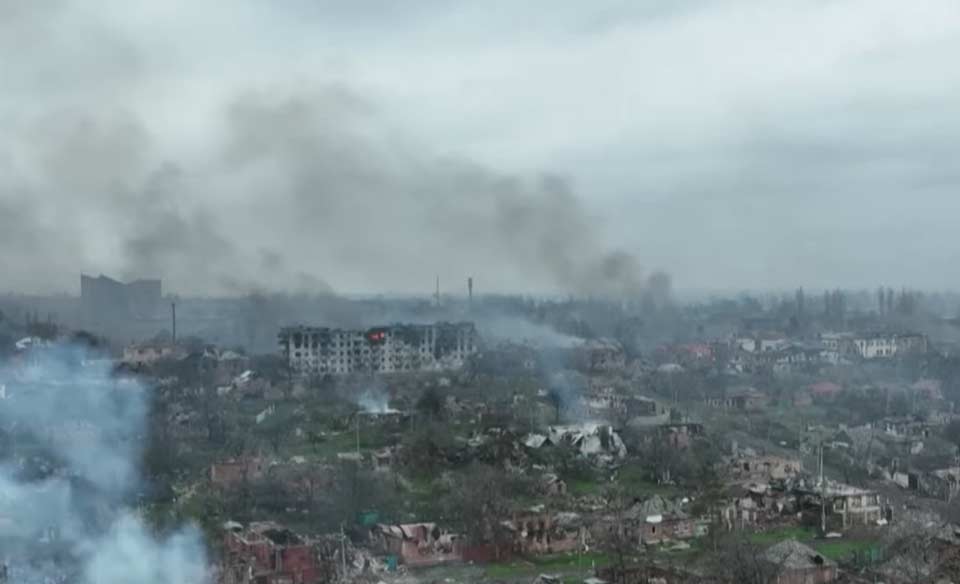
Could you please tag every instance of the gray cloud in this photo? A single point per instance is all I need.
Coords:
(308, 145)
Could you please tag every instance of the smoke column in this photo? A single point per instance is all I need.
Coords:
(69, 479)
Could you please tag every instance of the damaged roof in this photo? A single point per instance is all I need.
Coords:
(793, 555)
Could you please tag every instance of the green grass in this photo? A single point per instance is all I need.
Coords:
(839, 549)
(634, 479)
(580, 487)
(784, 533)
(548, 564)
(835, 549)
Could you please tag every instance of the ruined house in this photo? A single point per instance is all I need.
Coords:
(791, 562)
(232, 473)
(661, 520)
(752, 504)
(145, 354)
(591, 439)
(599, 355)
(268, 553)
(845, 506)
(943, 484)
(418, 544)
(744, 399)
(679, 435)
(542, 533)
(387, 349)
(764, 468)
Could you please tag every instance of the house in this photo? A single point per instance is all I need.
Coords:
(765, 468)
(597, 355)
(880, 345)
(660, 520)
(746, 399)
(638, 406)
(741, 509)
(590, 438)
(679, 434)
(762, 342)
(749, 504)
(231, 473)
(145, 354)
(536, 532)
(943, 484)
(659, 528)
(845, 505)
(268, 553)
(789, 358)
(418, 544)
(791, 562)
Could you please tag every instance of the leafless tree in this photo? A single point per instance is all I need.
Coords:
(739, 561)
(618, 536)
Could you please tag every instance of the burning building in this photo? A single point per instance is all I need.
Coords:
(387, 349)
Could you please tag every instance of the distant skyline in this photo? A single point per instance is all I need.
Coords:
(304, 145)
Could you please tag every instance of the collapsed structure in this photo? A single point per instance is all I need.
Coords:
(386, 349)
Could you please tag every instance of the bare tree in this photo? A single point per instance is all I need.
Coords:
(618, 536)
(738, 561)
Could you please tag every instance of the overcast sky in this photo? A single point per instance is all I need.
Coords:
(536, 145)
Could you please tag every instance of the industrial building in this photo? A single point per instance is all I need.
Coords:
(387, 349)
(104, 299)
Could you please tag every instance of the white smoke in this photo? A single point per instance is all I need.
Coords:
(68, 485)
(374, 400)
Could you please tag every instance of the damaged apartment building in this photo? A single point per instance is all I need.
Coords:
(386, 349)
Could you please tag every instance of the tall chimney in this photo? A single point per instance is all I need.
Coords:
(470, 291)
(173, 316)
(437, 294)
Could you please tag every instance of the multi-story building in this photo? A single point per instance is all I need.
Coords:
(877, 345)
(387, 349)
(104, 299)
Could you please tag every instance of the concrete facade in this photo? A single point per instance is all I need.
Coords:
(388, 349)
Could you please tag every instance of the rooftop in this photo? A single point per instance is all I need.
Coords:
(793, 555)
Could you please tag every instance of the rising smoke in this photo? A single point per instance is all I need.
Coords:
(313, 190)
(67, 493)
(287, 190)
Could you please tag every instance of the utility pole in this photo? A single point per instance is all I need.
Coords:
(343, 551)
(358, 436)
(823, 496)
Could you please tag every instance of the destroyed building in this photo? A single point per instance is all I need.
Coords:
(589, 438)
(599, 355)
(386, 349)
(418, 544)
(791, 562)
(268, 553)
(844, 505)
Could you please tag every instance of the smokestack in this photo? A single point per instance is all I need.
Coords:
(470, 291)
(173, 316)
(436, 295)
